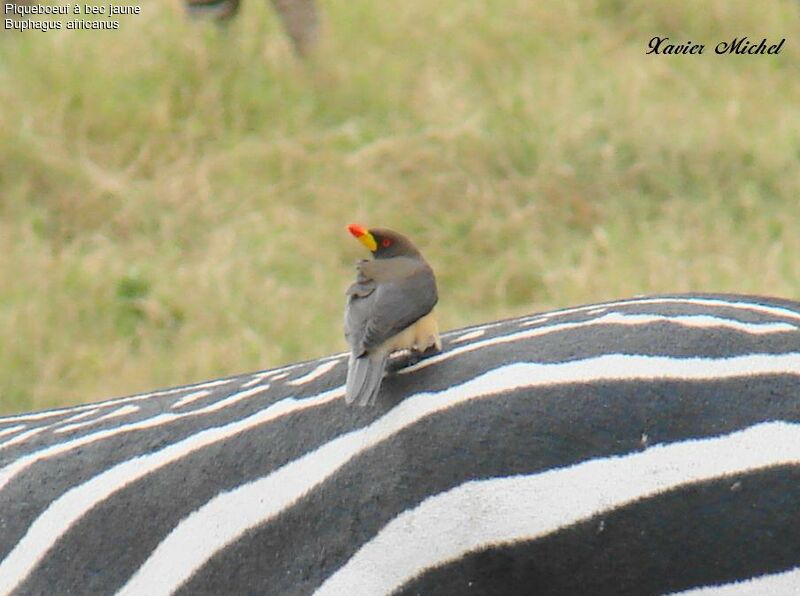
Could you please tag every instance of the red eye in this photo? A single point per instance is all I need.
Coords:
(386, 243)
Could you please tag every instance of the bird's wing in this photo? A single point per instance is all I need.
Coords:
(359, 304)
(395, 303)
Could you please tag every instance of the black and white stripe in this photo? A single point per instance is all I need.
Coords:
(644, 446)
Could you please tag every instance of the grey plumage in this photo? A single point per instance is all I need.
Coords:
(391, 293)
(364, 376)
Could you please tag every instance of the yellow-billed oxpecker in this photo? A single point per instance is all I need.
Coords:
(389, 308)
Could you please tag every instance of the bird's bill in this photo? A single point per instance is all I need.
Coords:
(363, 236)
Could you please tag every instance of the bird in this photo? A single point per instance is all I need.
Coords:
(390, 307)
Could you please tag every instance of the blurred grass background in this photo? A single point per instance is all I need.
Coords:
(173, 195)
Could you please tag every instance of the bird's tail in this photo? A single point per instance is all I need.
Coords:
(364, 375)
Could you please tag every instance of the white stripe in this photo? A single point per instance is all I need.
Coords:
(699, 321)
(62, 513)
(602, 307)
(228, 401)
(22, 463)
(79, 416)
(775, 584)
(713, 302)
(111, 402)
(275, 373)
(317, 372)
(468, 336)
(45, 414)
(614, 318)
(121, 411)
(337, 356)
(190, 397)
(254, 381)
(11, 429)
(141, 396)
(22, 437)
(485, 327)
(226, 517)
(280, 372)
(772, 310)
(483, 513)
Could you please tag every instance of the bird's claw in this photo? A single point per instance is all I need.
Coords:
(411, 358)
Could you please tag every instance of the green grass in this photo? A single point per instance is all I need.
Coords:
(173, 196)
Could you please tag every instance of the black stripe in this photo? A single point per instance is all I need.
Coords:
(54, 476)
(525, 432)
(531, 431)
(709, 533)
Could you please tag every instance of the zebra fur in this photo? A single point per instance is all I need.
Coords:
(649, 445)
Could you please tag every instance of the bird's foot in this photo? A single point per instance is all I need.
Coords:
(411, 357)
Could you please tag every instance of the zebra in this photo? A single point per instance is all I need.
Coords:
(300, 18)
(639, 446)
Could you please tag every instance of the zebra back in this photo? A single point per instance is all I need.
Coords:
(643, 446)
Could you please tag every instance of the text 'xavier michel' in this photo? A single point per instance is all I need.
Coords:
(737, 45)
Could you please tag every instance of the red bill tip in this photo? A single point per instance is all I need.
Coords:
(356, 230)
